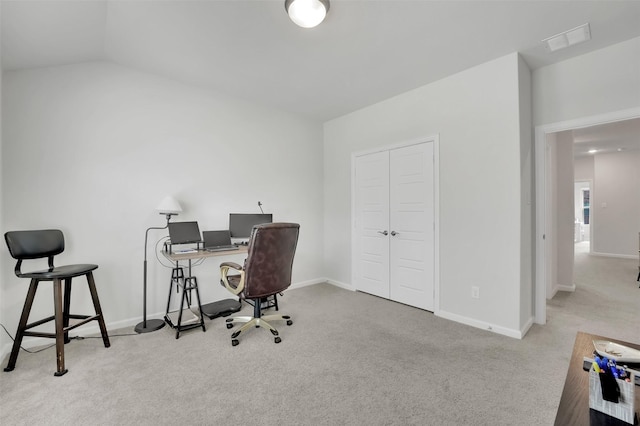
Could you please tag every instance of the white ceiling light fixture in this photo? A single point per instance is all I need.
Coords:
(307, 13)
(568, 38)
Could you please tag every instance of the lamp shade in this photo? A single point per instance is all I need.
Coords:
(169, 205)
(307, 13)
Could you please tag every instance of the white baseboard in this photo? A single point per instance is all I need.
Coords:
(308, 283)
(619, 256)
(509, 332)
(525, 328)
(340, 284)
(564, 287)
(561, 287)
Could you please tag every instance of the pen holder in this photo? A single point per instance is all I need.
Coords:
(624, 409)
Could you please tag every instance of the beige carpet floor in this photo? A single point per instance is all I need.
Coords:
(348, 359)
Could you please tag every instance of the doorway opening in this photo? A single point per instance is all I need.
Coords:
(546, 227)
(582, 214)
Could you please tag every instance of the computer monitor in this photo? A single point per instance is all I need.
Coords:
(184, 232)
(241, 224)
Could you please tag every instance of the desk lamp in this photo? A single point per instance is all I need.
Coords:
(168, 207)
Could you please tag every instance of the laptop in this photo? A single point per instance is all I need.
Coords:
(218, 241)
(184, 232)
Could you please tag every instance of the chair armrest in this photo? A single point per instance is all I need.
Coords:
(224, 271)
(231, 265)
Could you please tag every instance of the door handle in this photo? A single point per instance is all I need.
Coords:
(383, 232)
(394, 233)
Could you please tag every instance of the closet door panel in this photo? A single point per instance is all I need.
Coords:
(371, 245)
(411, 210)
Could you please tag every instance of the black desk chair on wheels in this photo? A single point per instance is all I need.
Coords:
(24, 245)
(266, 272)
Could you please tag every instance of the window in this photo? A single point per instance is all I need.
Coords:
(585, 206)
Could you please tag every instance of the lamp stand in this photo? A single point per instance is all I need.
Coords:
(147, 326)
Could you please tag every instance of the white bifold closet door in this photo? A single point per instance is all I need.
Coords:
(393, 232)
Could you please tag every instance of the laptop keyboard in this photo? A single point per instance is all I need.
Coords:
(221, 248)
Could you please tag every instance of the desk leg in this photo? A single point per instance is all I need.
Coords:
(177, 274)
(189, 283)
(193, 285)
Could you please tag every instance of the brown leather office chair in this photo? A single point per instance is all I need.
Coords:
(26, 245)
(266, 272)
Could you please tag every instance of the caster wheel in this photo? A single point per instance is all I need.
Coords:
(289, 322)
(235, 342)
(277, 340)
(229, 325)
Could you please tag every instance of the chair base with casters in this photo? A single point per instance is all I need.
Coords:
(257, 320)
(47, 243)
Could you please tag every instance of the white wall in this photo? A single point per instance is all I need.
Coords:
(616, 203)
(92, 149)
(616, 181)
(583, 168)
(526, 194)
(599, 82)
(476, 113)
(551, 216)
(564, 209)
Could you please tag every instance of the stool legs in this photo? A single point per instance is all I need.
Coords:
(22, 325)
(59, 319)
(96, 306)
(65, 308)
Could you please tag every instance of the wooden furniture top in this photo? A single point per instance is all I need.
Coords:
(574, 403)
(201, 254)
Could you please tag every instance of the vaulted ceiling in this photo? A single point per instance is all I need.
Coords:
(364, 52)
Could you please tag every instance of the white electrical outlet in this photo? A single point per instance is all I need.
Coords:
(475, 292)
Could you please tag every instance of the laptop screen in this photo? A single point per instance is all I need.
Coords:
(184, 232)
(216, 238)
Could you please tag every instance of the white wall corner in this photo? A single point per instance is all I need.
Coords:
(340, 284)
(308, 283)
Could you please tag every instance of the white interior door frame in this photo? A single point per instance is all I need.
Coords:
(542, 193)
(435, 139)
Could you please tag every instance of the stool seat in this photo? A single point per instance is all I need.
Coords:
(60, 272)
(47, 243)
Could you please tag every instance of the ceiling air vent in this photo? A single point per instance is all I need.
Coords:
(568, 38)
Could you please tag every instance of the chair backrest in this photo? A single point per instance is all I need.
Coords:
(272, 247)
(34, 245)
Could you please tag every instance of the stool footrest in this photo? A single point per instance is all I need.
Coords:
(40, 322)
(85, 319)
(39, 334)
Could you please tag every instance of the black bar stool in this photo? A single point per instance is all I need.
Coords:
(48, 243)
